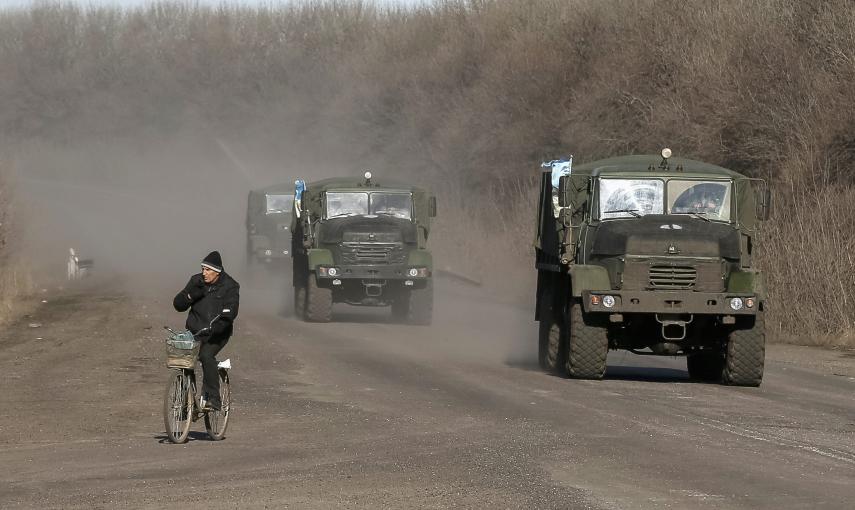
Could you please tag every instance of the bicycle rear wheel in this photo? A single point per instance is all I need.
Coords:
(178, 406)
(217, 421)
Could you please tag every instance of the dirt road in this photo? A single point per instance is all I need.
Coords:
(364, 413)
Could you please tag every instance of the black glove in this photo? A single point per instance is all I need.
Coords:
(196, 293)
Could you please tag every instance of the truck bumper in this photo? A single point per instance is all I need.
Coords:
(270, 254)
(668, 302)
(385, 272)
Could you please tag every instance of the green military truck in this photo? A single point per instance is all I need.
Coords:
(654, 255)
(268, 223)
(363, 242)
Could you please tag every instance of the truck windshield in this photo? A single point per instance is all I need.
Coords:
(279, 203)
(628, 198)
(399, 205)
(709, 199)
(346, 204)
(339, 204)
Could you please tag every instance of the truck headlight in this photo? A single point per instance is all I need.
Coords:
(608, 301)
(332, 271)
(736, 303)
(420, 272)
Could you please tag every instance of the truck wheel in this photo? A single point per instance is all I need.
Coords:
(554, 331)
(420, 309)
(745, 356)
(250, 256)
(318, 301)
(588, 345)
(705, 365)
(401, 305)
(543, 342)
(300, 301)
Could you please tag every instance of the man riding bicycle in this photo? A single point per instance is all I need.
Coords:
(212, 297)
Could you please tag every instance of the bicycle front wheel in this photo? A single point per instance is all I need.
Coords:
(217, 421)
(178, 406)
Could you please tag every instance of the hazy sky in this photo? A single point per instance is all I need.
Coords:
(20, 3)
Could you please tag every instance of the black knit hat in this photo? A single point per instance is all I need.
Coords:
(213, 261)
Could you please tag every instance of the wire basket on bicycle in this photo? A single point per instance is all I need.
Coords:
(182, 350)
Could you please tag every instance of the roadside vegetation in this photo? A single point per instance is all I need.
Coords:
(469, 97)
(15, 275)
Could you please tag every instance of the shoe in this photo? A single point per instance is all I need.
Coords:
(210, 405)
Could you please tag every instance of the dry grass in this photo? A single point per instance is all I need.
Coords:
(15, 277)
(471, 95)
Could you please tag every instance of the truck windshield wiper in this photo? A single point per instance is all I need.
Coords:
(393, 215)
(696, 214)
(633, 212)
(344, 215)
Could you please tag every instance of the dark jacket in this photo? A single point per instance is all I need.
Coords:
(206, 302)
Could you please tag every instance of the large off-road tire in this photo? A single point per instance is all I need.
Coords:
(318, 301)
(415, 306)
(745, 355)
(552, 332)
(555, 355)
(250, 257)
(587, 346)
(705, 365)
(300, 301)
(401, 305)
(543, 342)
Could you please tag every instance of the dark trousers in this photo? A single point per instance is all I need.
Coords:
(210, 375)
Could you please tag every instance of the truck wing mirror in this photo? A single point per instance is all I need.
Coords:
(432, 207)
(764, 205)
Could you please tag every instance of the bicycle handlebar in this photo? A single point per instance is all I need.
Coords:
(210, 325)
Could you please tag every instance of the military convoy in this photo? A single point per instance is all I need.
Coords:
(650, 254)
(363, 242)
(654, 255)
(268, 223)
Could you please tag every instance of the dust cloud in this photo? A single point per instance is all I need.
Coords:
(147, 209)
(141, 157)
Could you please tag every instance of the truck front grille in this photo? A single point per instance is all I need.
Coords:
(372, 253)
(672, 277)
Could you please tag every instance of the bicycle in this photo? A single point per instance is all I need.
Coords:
(180, 407)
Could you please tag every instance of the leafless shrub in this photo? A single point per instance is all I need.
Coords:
(469, 95)
(15, 279)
